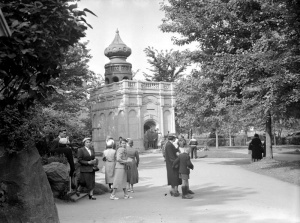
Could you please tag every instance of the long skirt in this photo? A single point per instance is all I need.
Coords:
(109, 172)
(132, 173)
(87, 179)
(120, 179)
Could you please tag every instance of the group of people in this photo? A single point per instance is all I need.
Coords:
(122, 160)
(256, 148)
(121, 166)
(178, 163)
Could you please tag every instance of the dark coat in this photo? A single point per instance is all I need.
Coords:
(87, 173)
(65, 149)
(184, 162)
(256, 147)
(83, 158)
(172, 173)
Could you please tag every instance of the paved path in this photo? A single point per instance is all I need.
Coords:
(224, 191)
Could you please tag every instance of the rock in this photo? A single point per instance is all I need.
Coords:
(26, 193)
(58, 176)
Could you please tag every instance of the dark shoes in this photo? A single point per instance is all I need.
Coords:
(185, 194)
(91, 197)
(190, 192)
(175, 194)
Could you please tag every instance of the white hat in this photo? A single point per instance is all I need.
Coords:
(110, 143)
(86, 139)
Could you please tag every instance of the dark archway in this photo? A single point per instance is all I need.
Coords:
(150, 135)
(148, 125)
(115, 79)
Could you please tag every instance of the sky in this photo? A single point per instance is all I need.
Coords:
(137, 22)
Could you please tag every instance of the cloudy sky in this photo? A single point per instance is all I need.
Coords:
(137, 22)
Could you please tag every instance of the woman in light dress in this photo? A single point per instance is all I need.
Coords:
(132, 173)
(110, 162)
(120, 177)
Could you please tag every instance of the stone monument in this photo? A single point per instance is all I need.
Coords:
(128, 108)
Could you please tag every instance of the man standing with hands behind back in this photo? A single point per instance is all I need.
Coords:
(61, 145)
(193, 144)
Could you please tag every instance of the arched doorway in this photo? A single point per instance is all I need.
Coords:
(148, 125)
(150, 135)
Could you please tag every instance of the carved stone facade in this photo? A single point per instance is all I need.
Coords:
(124, 108)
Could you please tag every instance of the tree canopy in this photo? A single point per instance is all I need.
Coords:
(41, 35)
(168, 65)
(248, 51)
(43, 69)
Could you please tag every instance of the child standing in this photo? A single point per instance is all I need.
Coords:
(185, 164)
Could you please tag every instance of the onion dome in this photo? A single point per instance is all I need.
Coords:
(117, 48)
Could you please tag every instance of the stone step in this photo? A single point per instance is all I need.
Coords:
(74, 197)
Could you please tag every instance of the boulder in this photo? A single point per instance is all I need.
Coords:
(26, 195)
(58, 177)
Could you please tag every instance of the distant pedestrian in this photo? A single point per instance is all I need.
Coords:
(256, 148)
(120, 178)
(132, 172)
(110, 161)
(193, 144)
(185, 165)
(171, 154)
(88, 162)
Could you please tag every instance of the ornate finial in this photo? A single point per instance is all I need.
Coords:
(117, 48)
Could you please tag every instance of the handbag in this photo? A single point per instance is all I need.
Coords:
(96, 168)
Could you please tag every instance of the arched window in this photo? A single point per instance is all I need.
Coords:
(115, 79)
(125, 78)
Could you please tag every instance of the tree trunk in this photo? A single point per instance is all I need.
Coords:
(230, 142)
(269, 152)
(217, 139)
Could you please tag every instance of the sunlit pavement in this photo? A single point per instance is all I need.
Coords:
(224, 192)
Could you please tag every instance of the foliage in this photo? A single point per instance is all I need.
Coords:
(72, 85)
(41, 33)
(249, 54)
(167, 65)
(42, 65)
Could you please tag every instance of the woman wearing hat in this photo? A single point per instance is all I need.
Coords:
(132, 172)
(86, 158)
(110, 162)
(120, 178)
(171, 154)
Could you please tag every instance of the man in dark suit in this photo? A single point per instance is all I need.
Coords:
(61, 145)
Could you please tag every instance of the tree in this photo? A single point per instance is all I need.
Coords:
(244, 48)
(71, 87)
(42, 33)
(167, 65)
